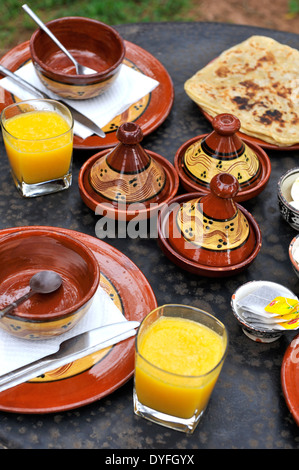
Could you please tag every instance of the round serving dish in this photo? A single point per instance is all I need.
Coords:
(29, 250)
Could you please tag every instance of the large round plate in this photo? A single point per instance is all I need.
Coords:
(290, 378)
(97, 375)
(254, 140)
(149, 112)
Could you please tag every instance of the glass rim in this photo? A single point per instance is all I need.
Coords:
(174, 374)
(16, 104)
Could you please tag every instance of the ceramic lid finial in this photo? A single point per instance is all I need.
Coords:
(226, 124)
(129, 133)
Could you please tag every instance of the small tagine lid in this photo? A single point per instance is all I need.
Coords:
(211, 229)
(128, 174)
(223, 151)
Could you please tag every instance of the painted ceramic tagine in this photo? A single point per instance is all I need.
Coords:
(222, 151)
(210, 234)
(127, 181)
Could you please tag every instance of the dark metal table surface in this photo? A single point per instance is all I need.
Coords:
(247, 409)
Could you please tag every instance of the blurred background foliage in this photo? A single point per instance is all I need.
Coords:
(16, 26)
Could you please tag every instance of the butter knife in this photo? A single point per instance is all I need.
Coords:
(76, 114)
(70, 350)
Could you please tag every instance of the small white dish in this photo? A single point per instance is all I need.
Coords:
(286, 189)
(256, 334)
(294, 254)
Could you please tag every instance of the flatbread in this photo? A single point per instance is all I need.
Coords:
(257, 81)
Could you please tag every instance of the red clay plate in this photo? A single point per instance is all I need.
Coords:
(149, 112)
(99, 374)
(254, 140)
(290, 378)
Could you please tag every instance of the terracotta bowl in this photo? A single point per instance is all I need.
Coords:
(259, 335)
(29, 250)
(287, 210)
(92, 43)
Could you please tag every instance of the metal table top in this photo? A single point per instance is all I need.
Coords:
(247, 408)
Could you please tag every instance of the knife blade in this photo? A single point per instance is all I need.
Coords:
(76, 114)
(70, 350)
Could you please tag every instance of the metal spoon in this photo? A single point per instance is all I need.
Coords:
(43, 282)
(80, 69)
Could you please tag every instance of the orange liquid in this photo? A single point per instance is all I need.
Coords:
(40, 146)
(183, 351)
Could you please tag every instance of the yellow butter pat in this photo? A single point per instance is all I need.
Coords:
(283, 306)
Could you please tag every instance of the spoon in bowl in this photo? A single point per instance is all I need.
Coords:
(80, 69)
(43, 282)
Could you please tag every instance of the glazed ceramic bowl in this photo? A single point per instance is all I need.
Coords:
(287, 210)
(294, 254)
(91, 42)
(260, 335)
(28, 250)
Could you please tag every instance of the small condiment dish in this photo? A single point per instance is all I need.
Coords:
(288, 208)
(94, 44)
(28, 250)
(294, 254)
(260, 335)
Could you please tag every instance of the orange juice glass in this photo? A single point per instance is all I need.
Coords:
(179, 353)
(38, 138)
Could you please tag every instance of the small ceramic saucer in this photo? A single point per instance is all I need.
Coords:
(203, 156)
(260, 335)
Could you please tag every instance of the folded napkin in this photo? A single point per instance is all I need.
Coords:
(16, 352)
(129, 87)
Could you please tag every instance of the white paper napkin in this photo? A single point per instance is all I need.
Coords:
(16, 352)
(129, 87)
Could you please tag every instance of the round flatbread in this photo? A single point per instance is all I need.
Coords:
(257, 81)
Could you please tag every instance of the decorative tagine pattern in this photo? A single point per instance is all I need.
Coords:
(199, 159)
(222, 151)
(128, 174)
(211, 229)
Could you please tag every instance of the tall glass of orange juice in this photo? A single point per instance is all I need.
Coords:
(179, 353)
(38, 138)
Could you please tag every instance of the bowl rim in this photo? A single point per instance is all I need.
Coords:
(84, 79)
(291, 256)
(47, 317)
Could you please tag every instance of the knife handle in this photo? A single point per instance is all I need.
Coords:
(22, 83)
(17, 376)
